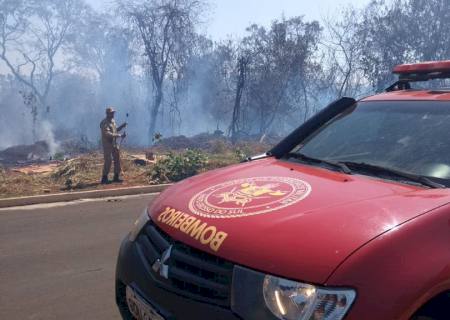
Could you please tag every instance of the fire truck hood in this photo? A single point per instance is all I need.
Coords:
(287, 219)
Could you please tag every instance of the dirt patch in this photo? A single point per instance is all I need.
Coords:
(37, 168)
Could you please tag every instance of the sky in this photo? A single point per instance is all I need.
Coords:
(232, 17)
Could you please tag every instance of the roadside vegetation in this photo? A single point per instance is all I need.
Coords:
(83, 172)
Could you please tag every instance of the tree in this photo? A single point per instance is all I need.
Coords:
(401, 31)
(242, 66)
(100, 45)
(32, 33)
(222, 82)
(210, 84)
(281, 65)
(166, 29)
(428, 26)
(385, 41)
(104, 49)
(342, 53)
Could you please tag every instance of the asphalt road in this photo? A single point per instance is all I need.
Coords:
(58, 262)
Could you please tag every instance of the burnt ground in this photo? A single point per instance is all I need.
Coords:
(30, 170)
(80, 173)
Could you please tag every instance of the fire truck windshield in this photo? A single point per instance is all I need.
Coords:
(411, 136)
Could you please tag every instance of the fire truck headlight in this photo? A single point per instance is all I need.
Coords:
(290, 300)
(138, 225)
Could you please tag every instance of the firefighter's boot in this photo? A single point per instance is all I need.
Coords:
(117, 179)
(104, 180)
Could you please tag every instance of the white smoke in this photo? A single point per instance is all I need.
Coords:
(45, 133)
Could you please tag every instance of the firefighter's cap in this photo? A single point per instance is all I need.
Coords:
(110, 110)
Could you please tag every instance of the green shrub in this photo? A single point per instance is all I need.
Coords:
(178, 166)
(2, 175)
(58, 156)
(219, 146)
(240, 153)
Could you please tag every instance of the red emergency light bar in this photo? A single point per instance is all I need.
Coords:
(416, 72)
(423, 67)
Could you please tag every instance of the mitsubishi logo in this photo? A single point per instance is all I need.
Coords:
(160, 266)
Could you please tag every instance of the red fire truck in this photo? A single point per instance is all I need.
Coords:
(348, 217)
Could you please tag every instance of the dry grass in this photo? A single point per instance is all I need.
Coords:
(84, 172)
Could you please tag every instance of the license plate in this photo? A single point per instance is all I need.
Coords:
(140, 309)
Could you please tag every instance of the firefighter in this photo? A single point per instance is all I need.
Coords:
(111, 152)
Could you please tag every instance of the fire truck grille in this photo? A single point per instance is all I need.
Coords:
(191, 272)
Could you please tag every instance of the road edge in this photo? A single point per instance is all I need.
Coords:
(78, 195)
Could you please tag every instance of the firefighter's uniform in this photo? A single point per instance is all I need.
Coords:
(111, 152)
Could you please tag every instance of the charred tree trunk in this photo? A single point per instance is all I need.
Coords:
(167, 31)
(240, 85)
(154, 110)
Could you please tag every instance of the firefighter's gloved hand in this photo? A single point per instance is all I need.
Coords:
(123, 125)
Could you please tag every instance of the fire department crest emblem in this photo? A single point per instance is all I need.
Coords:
(249, 196)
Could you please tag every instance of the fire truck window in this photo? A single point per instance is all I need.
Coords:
(409, 136)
